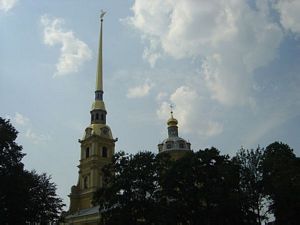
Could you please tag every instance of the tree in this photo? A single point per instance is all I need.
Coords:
(128, 197)
(281, 176)
(251, 184)
(11, 171)
(43, 204)
(200, 188)
(24, 196)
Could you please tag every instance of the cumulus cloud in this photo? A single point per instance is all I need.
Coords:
(73, 52)
(20, 119)
(190, 117)
(161, 96)
(232, 38)
(139, 91)
(233, 44)
(6, 5)
(289, 14)
(25, 127)
(36, 138)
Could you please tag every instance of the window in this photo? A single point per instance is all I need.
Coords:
(104, 152)
(87, 152)
(169, 145)
(181, 145)
(102, 117)
(85, 182)
(92, 117)
(97, 116)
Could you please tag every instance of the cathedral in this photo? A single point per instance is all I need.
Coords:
(97, 147)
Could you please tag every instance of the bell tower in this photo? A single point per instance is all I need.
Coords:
(96, 147)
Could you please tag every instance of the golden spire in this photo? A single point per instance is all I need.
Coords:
(99, 81)
(98, 103)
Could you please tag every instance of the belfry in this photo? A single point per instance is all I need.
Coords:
(97, 148)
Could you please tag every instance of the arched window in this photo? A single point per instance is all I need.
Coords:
(104, 152)
(87, 152)
(169, 144)
(181, 144)
(85, 182)
(97, 116)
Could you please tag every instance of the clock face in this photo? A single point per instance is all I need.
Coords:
(105, 130)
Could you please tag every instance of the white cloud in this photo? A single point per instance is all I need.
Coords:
(161, 96)
(24, 126)
(289, 14)
(140, 91)
(234, 43)
(189, 113)
(73, 52)
(233, 38)
(6, 5)
(151, 54)
(36, 138)
(20, 119)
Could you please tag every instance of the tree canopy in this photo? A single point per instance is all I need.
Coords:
(203, 187)
(25, 196)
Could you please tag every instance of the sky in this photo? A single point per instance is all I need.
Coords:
(230, 68)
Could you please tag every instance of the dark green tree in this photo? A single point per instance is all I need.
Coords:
(43, 205)
(281, 175)
(254, 200)
(24, 196)
(11, 176)
(128, 197)
(202, 188)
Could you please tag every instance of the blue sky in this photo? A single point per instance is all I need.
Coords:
(230, 68)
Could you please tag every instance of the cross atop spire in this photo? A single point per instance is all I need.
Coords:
(171, 108)
(102, 14)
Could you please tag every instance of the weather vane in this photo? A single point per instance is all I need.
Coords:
(102, 14)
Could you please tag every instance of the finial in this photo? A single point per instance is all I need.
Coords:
(171, 107)
(102, 14)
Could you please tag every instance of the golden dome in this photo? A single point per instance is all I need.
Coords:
(172, 121)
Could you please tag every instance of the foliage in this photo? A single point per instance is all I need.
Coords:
(281, 174)
(200, 188)
(24, 196)
(129, 196)
(254, 200)
(10, 152)
(203, 189)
